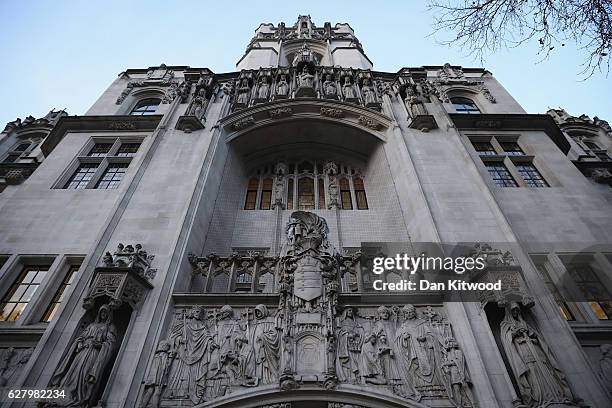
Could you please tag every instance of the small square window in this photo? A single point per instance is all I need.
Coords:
(512, 149)
(530, 174)
(484, 148)
(500, 174)
(21, 292)
(100, 150)
(82, 176)
(112, 176)
(128, 149)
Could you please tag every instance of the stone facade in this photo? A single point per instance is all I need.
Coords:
(197, 238)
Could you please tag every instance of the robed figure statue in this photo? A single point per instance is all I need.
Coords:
(535, 369)
(80, 372)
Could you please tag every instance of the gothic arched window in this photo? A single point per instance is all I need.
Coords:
(251, 197)
(306, 199)
(266, 194)
(321, 189)
(265, 284)
(146, 107)
(360, 194)
(290, 194)
(464, 105)
(345, 194)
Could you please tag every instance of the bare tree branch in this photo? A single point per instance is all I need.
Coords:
(485, 26)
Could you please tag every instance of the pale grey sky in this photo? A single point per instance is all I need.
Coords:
(63, 54)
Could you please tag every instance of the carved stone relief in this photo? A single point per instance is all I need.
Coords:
(12, 362)
(307, 338)
(605, 365)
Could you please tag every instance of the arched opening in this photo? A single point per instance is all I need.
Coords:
(464, 105)
(145, 107)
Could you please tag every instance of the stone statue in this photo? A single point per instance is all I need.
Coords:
(243, 93)
(350, 337)
(278, 193)
(413, 359)
(198, 104)
(347, 89)
(456, 375)
(414, 102)
(9, 371)
(329, 86)
(220, 374)
(306, 79)
(605, 363)
(262, 91)
(367, 93)
(384, 328)
(194, 345)
(157, 377)
(267, 342)
(331, 169)
(370, 368)
(282, 87)
(535, 369)
(80, 372)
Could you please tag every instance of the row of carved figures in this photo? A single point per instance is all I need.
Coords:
(328, 83)
(211, 353)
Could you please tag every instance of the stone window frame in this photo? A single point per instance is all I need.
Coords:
(103, 162)
(599, 262)
(33, 139)
(12, 270)
(510, 161)
(59, 290)
(317, 175)
(583, 136)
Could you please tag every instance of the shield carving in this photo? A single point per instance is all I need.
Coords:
(307, 281)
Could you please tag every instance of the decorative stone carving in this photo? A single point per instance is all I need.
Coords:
(492, 256)
(157, 378)
(456, 375)
(538, 376)
(305, 83)
(282, 87)
(12, 362)
(449, 73)
(486, 93)
(415, 99)
(369, 122)
(369, 94)
(133, 257)
(330, 90)
(174, 91)
(331, 169)
(263, 89)
(332, 112)
(244, 123)
(194, 117)
(602, 176)
(243, 94)
(350, 338)
(605, 364)
(280, 113)
(348, 91)
(79, 374)
(124, 277)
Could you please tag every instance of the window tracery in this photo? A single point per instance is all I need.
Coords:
(306, 185)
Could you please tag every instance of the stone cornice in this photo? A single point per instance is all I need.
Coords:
(522, 121)
(110, 123)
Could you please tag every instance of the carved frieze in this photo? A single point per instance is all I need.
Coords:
(12, 363)
(156, 77)
(244, 123)
(332, 112)
(369, 122)
(280, 113)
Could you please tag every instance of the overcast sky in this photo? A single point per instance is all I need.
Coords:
(63, 54)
